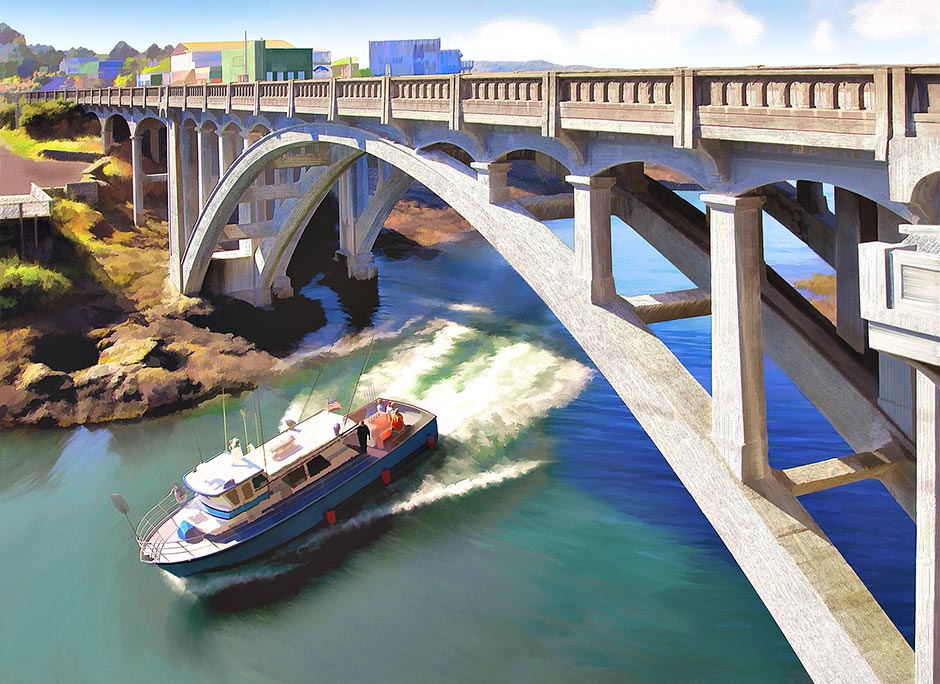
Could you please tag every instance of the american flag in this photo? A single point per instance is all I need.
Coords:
(333, 405)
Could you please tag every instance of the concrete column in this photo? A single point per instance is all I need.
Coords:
(592, 256)
(384, 170)
(175, 213)
(137, 176)
(154, 134)
(927, 583)
(810, 196)
(896, 391)
(229, 149)
(494, 177)
(248, 211)
(739, 406)
(107, 136)
(205, 137)
(856, 222)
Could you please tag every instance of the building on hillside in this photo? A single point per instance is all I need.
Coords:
(322, 63)
(108, 70)
(345, 67)
(413, 58)
(201, 62)
(157, 74)
(266, 62)
(79, 66)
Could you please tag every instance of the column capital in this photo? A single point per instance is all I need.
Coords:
(490, 167)
(732, 202)
(591, 182)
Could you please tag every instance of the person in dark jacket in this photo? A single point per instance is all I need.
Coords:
(363, 433)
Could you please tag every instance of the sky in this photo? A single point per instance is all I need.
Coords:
(609, 33)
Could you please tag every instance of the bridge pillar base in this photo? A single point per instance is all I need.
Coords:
(361, 266)
(739, 405)
(281, 287)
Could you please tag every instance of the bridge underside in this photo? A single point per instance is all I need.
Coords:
(238, 233)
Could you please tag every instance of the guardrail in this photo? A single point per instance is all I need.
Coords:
(849, 107)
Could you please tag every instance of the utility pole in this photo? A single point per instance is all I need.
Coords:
(245, 80)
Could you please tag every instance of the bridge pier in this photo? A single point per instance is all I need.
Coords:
(856, 222)
(592, 252)
(352, 191)
(137, 176)
(739, 406)
(207, 144)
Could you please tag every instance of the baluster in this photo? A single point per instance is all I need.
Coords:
(824, 95)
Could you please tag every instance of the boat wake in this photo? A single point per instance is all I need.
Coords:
(486, 388)
(429, 492)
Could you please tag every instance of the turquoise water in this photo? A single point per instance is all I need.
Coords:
(545, 540)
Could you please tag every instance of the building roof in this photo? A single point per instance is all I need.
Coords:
(218, 46)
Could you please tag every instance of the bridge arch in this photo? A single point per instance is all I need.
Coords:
(451, 180)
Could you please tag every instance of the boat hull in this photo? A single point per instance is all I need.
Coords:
(309, 516)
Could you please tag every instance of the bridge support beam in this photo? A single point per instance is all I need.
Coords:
(189, 178)
(154, 134)
(739, 406)
(353, 195)
(206, 138)
(592, 254)
(856, 222)
(137, 177)
(494, 177)
(175, 213)
(927, 591)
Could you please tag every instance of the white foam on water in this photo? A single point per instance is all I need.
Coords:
(489, 395)
(430, 491)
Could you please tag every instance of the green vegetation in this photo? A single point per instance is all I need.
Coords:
(52, 119)
(20, 143)
(25, 286)
(7, 115)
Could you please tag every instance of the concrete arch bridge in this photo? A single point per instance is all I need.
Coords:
(249, 163)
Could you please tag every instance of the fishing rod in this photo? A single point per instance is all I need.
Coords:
(356, 386)
(224, 424)
(316, 382)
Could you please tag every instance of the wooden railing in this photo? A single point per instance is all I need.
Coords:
(848, 107)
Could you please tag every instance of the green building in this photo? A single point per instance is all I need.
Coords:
(266, 63)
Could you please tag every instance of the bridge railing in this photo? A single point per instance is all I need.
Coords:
(847, 107)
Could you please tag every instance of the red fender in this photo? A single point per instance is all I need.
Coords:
(386, 476)
(331, 517)
(431, 441)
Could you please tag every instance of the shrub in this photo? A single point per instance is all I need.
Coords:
(7, 115)
(52, 119)
(25, 286)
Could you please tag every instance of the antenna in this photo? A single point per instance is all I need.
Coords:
(224, 424)
(198, 448)
(245, 425)
(264, 453)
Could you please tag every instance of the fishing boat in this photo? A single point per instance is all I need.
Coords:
(242, 503)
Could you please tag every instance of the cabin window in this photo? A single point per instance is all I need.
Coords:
(295, 477)
(259, 481)
(232, 497)
(317, 465)
(246, 492)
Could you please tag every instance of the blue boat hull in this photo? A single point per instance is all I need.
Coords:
(295, 520)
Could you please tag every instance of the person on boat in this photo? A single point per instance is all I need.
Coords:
(398, 421)
(362, 432)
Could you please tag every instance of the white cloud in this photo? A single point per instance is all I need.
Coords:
(663, 35)
(822, 36)
(897, 18)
